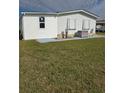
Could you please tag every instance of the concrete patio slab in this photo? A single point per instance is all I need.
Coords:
(47, 40)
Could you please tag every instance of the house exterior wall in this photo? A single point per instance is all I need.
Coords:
(54, 25)
(62, 22)
(32, 30)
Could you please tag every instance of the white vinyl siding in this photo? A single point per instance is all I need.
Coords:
(72, 24)
(32, 30)
(89, 23)
(86, 24)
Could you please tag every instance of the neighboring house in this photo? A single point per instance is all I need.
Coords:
(100, 25)
(36, 25)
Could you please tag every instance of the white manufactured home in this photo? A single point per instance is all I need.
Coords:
(39, 25)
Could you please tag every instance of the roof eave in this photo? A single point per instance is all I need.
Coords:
(37, 13)
(60, 13)
(81, 11)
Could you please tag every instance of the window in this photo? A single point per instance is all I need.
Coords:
(42, 22)
(42, 25)
(71, 24)
(86, 24)
(42, 19)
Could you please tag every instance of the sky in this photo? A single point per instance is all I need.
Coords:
(94, 6)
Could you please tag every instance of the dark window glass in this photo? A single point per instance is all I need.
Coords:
(42, 19)
(42, 25)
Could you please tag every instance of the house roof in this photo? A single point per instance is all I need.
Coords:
(61, 13)
(101, 21)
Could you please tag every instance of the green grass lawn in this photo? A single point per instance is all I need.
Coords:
(62, 67)
(100, 33)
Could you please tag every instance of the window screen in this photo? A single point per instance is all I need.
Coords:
(72, 24)
(86, 24)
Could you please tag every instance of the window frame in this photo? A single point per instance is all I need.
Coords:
(69, 24)
(42, 22)
(85, 23)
